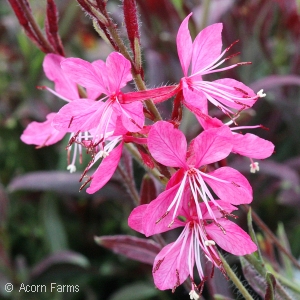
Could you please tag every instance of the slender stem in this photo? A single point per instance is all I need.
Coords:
(130, 185)
(259, 222)
(137, 157)
(235, 279)
(36, 28)
(137, 77)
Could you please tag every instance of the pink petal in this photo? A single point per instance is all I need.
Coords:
(135, 219)
(63, 85)
(184, 45)
(235, 89)
(176, 178)
(156, 209)
(212, 145)
(237, 191)
(167, 263)
(235, 241)
(83, 73)
(118, 71)
(209, 122)
(132, 116)
(42, 133)
(167, 144)
(207, 47)
(106, 170)
(227, 207)
(250, 145)
(80, 115)
(101, 70)
(195, 101)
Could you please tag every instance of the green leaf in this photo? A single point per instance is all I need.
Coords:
(55, 231)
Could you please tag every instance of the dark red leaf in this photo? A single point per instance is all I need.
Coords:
(142, 250)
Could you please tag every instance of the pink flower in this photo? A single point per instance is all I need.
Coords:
(110, 153)
(42, 133)
(204, 55)
(101, 116)
(248, 144)
(175, 262)
(168, 146)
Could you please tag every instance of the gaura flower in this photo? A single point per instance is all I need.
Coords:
(42, 133)
(109, 152)
(101, 116)
(175, 262)
(204, 56)
(168, 146)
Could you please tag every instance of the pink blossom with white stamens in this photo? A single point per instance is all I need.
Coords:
(204, 56)
(168, 146)
(175, 262)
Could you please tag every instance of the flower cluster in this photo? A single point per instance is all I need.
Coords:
(199, 196)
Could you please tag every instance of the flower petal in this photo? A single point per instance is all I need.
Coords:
(132, 116)
(250, 145)
(63, 85)
(118, 71)
(234, 89)
(235, 241)
(236, 191)
(83, 73)
(105, 170)
(207, 47)
(227, 207)
(42, 133)
(135, 219)
(170, 267)
(212, 145)
(184, 45)
(155, 211)
(196, 102)
(167, 144)
(83, 114)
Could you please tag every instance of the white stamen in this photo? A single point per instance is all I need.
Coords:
(194, 295)
(103, 154)
(254, 167)
(71, 168)
(261, 94)
(210, 243)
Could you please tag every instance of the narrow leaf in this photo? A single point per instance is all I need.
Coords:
(142, 250)
(58, 258)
